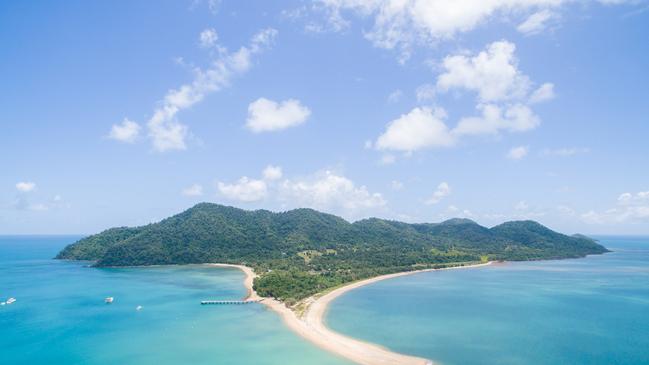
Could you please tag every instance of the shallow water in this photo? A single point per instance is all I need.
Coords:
(585, 311)
(60, 316)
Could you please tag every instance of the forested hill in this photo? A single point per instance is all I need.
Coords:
(314, 250)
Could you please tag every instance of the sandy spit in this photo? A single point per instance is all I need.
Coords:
(311, 324)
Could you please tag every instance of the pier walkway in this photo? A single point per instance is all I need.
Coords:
(206, 302)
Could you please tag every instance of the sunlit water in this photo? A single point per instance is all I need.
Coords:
(585, 311)
(60, 316)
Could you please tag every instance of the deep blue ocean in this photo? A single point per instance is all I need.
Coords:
(586, 311)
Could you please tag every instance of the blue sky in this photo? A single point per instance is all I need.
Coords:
(125, 112)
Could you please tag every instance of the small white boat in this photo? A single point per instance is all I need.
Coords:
(108, 300)
(138, 308)
(11, 300)
(2, 303)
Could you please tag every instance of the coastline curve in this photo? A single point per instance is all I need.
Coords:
(311, 326)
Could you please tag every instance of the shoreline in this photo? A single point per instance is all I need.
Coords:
(311, 326)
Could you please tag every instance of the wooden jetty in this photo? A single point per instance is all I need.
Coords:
(209, 302)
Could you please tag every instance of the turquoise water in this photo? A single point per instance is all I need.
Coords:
(586, 311)
(60, 316)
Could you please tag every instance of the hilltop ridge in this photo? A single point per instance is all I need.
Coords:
(302, 251)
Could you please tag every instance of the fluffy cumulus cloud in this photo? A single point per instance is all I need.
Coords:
(267, 115)
(324, 190)
(502, 95)
(513, 118)
(272, 173)
(25, 186)
(518, 153)
(493, 73)
(165, 131)
(193, 190)
(442, 191)
(208, 38)
(401, 24)
(126, 132)
(405, 24)
(629, 208)
(244, 190)
(420, 128)
(331, 192)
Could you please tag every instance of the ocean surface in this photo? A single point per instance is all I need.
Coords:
(585, 311)
(60, 316)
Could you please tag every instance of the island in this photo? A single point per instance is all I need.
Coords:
(297, 261)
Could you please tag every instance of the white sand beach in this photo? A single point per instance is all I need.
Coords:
(311, 324)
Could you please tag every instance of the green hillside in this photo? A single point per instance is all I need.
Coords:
(301, 252)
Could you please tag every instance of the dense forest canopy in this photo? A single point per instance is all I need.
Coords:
(302, 252)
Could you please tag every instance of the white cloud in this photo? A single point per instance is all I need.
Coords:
(492, 73)
(244, 190)
(515, 118)
(331, 192)
(501, 89)
(266, 115)
(420, 128)
(517, 153)
(629, 199)
(617, 2)
(24, 201)
(193, 190)
(272, 172)
(395, 96)
(425, 93)
(407, 25)
(165, 131)
(25, 186)
(629, 208)
(126, 132)
(208, 38)
(402, 24)
(544, 93)
(442, 191)
(323, 190)
(502, 94)
(536, 22)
